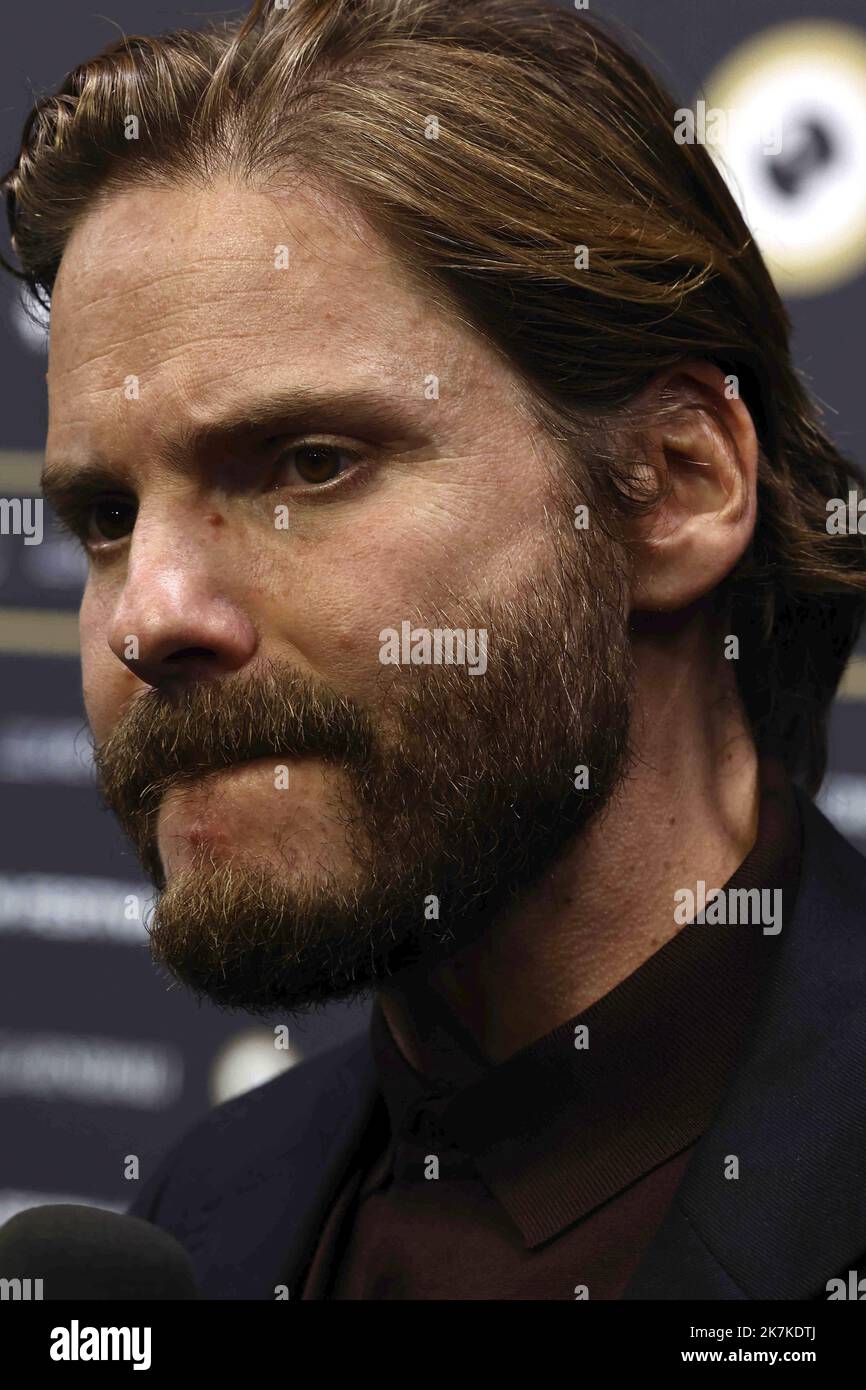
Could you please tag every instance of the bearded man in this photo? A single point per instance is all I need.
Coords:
(378, 320)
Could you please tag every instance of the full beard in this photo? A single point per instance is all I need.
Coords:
(461, 795)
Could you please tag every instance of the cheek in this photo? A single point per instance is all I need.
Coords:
(395, 562)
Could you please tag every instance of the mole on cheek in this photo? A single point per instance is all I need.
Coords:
(215, 519)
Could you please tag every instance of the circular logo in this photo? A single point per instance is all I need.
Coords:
(784, 117)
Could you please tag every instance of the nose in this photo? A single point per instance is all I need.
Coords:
(176, 619)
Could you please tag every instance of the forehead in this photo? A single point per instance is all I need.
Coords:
(196, 293)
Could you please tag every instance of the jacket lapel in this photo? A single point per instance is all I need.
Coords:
(794, 1116)
(267, 1229)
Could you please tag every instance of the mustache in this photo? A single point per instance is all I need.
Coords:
(165, 738)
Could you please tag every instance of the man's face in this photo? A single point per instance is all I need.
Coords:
(314, 816)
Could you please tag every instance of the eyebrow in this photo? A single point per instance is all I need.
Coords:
(393, 419)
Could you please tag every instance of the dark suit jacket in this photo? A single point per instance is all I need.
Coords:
(247, 1189)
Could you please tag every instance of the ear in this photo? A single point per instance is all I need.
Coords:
(705, 456)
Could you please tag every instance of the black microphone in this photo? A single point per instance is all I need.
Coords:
(83, 1252)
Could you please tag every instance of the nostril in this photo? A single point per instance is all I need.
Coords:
(185, 654)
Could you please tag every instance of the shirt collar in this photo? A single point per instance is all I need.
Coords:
(573, 1118)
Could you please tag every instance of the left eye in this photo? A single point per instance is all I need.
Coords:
(316, 463)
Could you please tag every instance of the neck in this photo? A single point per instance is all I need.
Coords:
(688, 810)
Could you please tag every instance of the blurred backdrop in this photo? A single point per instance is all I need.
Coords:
(99, 1057)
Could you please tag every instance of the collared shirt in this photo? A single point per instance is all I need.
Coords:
(546, 1176)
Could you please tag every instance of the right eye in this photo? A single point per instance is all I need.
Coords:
(105, 519)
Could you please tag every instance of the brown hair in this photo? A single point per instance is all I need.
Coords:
(549, 135)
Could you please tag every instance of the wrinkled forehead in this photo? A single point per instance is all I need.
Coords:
(150, 267)
(181, 294)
